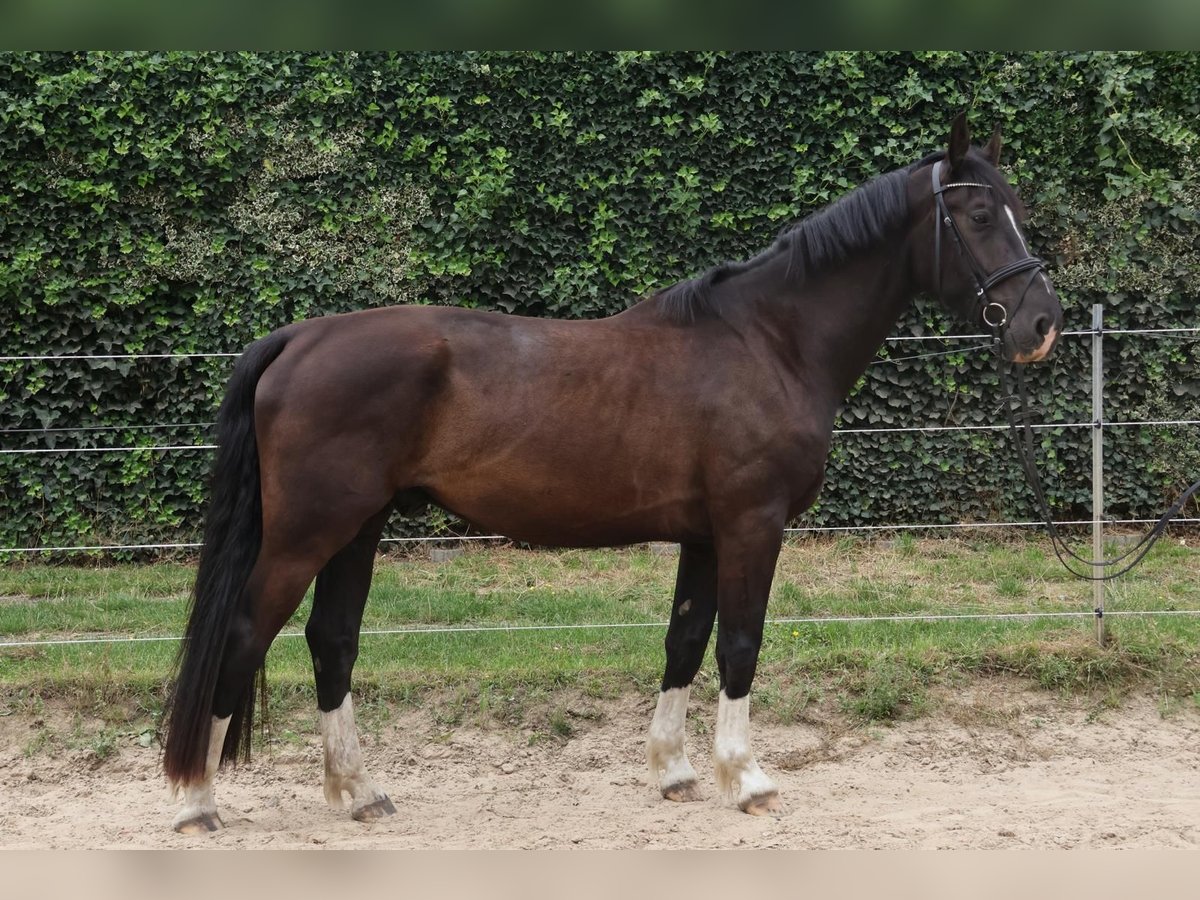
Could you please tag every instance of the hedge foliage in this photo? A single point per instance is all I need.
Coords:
(175, 202)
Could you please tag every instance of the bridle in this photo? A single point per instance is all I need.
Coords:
(992, 314)
(995, 316)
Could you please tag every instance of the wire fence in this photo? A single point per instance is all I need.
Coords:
(926, 429)
(893, 339)
(508, 628)
(603, 626)
(800, 530)
(1161, 332)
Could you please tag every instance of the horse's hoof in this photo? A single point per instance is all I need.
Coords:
(683, 792)
(764, 805)
(202, 823)
(373, 812)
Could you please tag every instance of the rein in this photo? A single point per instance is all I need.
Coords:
(1022, 435)
(995, 317)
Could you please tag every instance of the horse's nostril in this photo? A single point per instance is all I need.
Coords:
(1042, 324)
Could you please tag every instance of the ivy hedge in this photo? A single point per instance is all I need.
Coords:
(188, 203)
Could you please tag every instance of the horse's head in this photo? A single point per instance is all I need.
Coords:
(975, 259)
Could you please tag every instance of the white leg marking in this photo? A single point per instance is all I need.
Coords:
(738, 774)
(198, 800)
(344, 769)
(664, 748)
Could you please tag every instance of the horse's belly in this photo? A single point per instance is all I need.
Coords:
(572, 508)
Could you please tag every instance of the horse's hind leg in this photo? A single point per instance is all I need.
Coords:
(332, 633)
(299, 537)
(692, 614)
(274, 591)
(199, 811)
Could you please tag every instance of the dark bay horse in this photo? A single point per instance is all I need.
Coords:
(701, 415)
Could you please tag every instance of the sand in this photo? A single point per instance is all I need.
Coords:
(996, 765)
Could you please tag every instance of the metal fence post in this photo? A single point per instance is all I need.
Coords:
(1098, 465)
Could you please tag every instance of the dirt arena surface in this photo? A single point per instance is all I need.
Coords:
(994, 766)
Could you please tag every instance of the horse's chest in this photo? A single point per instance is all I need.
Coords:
(803, 468)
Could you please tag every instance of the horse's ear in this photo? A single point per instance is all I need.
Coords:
(992, 150)
(960, 141)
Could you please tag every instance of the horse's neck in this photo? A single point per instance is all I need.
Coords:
(838, 320)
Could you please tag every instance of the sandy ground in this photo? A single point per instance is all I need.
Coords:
(996, 766)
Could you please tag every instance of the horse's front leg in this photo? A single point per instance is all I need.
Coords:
(746, 555)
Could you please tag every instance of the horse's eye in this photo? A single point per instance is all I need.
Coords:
(980, 217)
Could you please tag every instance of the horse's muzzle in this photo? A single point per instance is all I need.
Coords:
(1040, 352)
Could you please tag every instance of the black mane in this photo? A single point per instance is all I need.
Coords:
(855, 222)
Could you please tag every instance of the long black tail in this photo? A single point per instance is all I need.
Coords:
(232, 538)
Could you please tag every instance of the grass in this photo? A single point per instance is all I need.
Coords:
(873, 671)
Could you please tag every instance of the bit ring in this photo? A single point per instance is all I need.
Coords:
(1003, 315)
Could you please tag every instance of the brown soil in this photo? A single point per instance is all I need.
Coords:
(997, 766)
